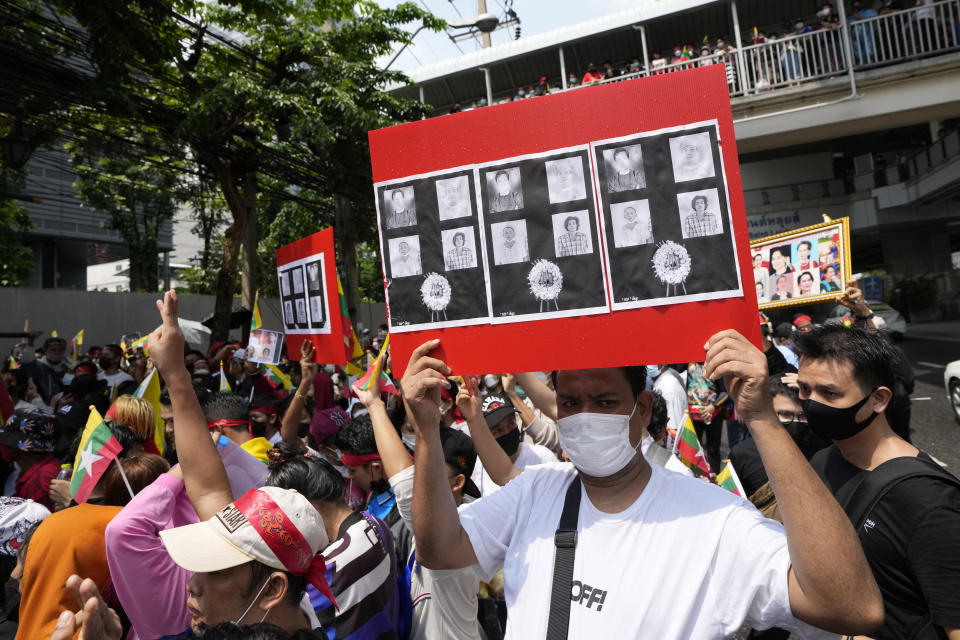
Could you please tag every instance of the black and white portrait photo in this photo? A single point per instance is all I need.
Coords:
(288, 318)
(453, 198)
(297, 274)
(504, 190)
(284, 283)
(316, 311)
(301, 311)
(572, 233)
(565, 180)
(399, 208)
(459, 248)
(700, 213)
(314, 276)
(510, 242)
(624, 168)
(405, 257)
(692, 157)
(631, 223)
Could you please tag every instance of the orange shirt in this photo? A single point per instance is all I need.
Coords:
(67, 542)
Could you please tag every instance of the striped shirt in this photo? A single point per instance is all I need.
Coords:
(695, 226)
(625, 181)
(362, 573)
(573, 246)
(510, 202)
(459, 259)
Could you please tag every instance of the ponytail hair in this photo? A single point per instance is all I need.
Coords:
(312, 477)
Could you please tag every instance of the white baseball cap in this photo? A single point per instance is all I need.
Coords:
(278, 527)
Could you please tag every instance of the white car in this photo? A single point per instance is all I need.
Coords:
(951, 381)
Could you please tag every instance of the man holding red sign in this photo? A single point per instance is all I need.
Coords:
(611, 577)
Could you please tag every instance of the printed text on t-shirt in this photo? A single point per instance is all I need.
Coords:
(584, 594)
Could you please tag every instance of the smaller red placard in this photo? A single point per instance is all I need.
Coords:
(309, 301)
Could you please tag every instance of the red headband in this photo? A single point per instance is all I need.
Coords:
(267, 408)
(229, 422)
(351, 460)
(284, 539)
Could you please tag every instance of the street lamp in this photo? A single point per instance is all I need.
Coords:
(16, 146)
(485, 23)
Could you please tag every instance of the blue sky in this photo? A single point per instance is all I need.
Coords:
(536, 16)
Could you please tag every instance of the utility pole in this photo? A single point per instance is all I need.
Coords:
(484, 36)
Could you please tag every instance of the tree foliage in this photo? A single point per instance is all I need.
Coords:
(16, 260)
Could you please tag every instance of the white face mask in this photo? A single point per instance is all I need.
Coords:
(409, 439)
(598, 444)
(491, 380)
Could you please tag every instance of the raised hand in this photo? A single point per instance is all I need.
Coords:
(165, 345)
(468, 399)
(852, 299)
(744, 370)
(95, 619)
(421, 385)
(308, 368)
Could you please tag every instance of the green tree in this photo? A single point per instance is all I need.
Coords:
(137, 184)
(16, 260)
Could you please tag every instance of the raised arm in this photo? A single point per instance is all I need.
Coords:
(441, 541)
(393, 454)
(204, 477)
(495, 461)
(509, 382)
(540, 395)
(831, 585)
(290, 425)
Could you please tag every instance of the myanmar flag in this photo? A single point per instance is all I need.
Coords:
(256, 320)
(75, 343)
(351, 345)
(276, 377)
(728, 479)
(688, 446)
(98, 448)
(149, 390)
(376, 372)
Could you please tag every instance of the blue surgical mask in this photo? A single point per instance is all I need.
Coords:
(653, 370)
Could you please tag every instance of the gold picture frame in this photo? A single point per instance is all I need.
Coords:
(803, 266)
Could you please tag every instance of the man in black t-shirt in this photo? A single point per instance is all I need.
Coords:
(911, 536)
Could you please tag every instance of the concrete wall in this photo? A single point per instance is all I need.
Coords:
(784, 171)
(105, 317)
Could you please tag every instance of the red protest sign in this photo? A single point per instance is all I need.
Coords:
(592, 228)
(310, 305)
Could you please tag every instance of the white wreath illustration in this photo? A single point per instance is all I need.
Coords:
(671, 263)
(435, 292)
(545, 280)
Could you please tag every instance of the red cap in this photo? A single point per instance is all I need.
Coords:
(799, 320)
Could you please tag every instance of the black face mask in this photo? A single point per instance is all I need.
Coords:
(379, 486)
(510, 441)
(258, 428)
(105, 363)
(835, 423)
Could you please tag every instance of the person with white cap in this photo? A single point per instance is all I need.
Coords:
(254, 558)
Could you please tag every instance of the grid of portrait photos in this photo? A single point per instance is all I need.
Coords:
(668, 233)
(264, 346)
(540, 227)
(800, 266)
(432, 250)
(303, 298)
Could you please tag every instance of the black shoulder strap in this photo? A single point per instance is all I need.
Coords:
(565, 539)
(860, 500)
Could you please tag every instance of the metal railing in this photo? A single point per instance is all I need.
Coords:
(793, 60)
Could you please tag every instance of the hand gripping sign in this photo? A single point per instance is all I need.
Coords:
(598, 227)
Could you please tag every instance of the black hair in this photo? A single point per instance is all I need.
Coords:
(620, 150)
(462, 236)
(314, 478)
(395, 192)
(693, 203)
(658, 416)
(199, 389)
(165, 398)
(636, 376)
(875, 361)
(806, 242)
(234, 631)
(225, 406)
(127, 388)
(356, 437)
(20, 381)
(778, 388)
(805, 273)
(50, 341)
(258, 575)
(497, 175)
(567, 220)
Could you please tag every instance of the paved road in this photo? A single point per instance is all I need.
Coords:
(930, 346)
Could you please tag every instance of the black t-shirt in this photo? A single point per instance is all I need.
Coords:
(912, 541)
(749, 467)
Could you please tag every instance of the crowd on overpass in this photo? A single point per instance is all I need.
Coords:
(784, 55)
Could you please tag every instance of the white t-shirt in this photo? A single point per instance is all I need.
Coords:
(114, 378)
(674, 394)
(530, 454)
(444, 600)
(686, 560)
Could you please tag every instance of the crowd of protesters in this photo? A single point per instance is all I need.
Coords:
(778, 65)
(313, 504)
